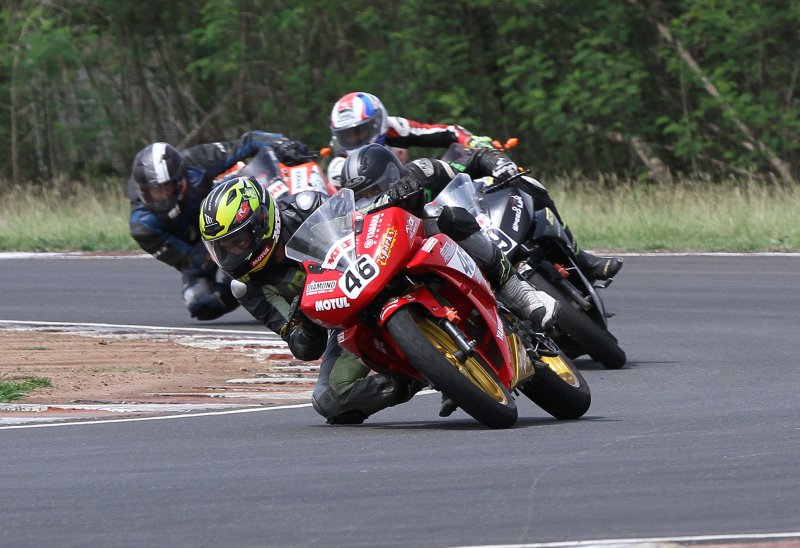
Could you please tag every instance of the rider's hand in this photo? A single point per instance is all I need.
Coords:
(306, 340)
(292, 153)
(401, 192)
(480, 141)
(504, 169)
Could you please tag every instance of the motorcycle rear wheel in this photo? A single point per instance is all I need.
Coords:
(472, 385)
(581, 330)
(559, 388)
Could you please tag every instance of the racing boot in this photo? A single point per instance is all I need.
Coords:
(593, 266)
(517, 294)
(598, 268)
(529, 303)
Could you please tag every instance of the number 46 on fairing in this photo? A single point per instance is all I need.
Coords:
(358, 275)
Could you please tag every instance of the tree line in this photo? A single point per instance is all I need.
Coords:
(635, 88)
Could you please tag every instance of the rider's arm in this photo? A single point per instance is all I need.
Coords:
(266, 305)
(403, 133)
(216, 158)
(433, 175)
(152, 236)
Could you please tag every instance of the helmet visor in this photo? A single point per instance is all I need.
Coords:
(234, 250)
(352, 137)
(159, 197)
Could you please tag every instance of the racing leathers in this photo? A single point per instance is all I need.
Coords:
(173, 238)
(345, 393)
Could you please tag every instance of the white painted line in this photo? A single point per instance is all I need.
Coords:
(707, 254)
(161, 418)
(633, 541)
(69, 255)
(266, 334)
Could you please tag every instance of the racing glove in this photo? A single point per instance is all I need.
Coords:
(306, 340)
(495, 163)
(292, 153)
(407, 193)
(480, 141)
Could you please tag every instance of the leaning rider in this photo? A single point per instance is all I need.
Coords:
(245, 231)
(165, 189)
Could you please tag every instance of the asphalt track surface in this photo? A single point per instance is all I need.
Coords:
(697, 436)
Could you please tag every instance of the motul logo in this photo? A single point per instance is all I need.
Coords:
(332, 304)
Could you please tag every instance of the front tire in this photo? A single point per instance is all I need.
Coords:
(581, 331)
(472, 385)
(559, 388)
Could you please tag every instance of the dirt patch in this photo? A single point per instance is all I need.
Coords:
(116, 368)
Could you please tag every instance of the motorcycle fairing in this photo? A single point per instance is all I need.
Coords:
(509, 211)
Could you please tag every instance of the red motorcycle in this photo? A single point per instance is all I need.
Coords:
(416, 305)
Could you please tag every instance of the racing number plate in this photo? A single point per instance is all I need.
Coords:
(358, 276)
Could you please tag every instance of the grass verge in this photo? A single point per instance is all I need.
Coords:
(689, 215)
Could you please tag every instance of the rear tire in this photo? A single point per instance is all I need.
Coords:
(473, 386)
(581, 331)
(559, 388)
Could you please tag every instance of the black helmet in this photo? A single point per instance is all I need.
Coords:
(159, 171)
(371, 170)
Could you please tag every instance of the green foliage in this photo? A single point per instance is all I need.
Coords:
(706, 86)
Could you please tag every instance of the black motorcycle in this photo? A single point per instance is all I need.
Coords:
(535, 242)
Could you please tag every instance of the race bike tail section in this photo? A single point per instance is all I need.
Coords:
(418, 306)
(279, 178)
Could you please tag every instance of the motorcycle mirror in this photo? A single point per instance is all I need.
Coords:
(324, 151)
(512, 142)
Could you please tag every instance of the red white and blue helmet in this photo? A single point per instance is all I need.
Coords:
(358, 119)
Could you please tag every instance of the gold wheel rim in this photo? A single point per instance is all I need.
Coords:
(561, 368)
(471, 368)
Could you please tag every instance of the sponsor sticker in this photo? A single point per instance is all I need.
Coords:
(338, 250)
(331, 304)
(448, 250)
(315, 288)
(386, 245)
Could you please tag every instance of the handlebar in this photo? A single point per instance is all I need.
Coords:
(511, 180)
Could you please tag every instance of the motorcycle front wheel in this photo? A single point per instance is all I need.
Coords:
(559, 388)
(472, 385)
(600, 344)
